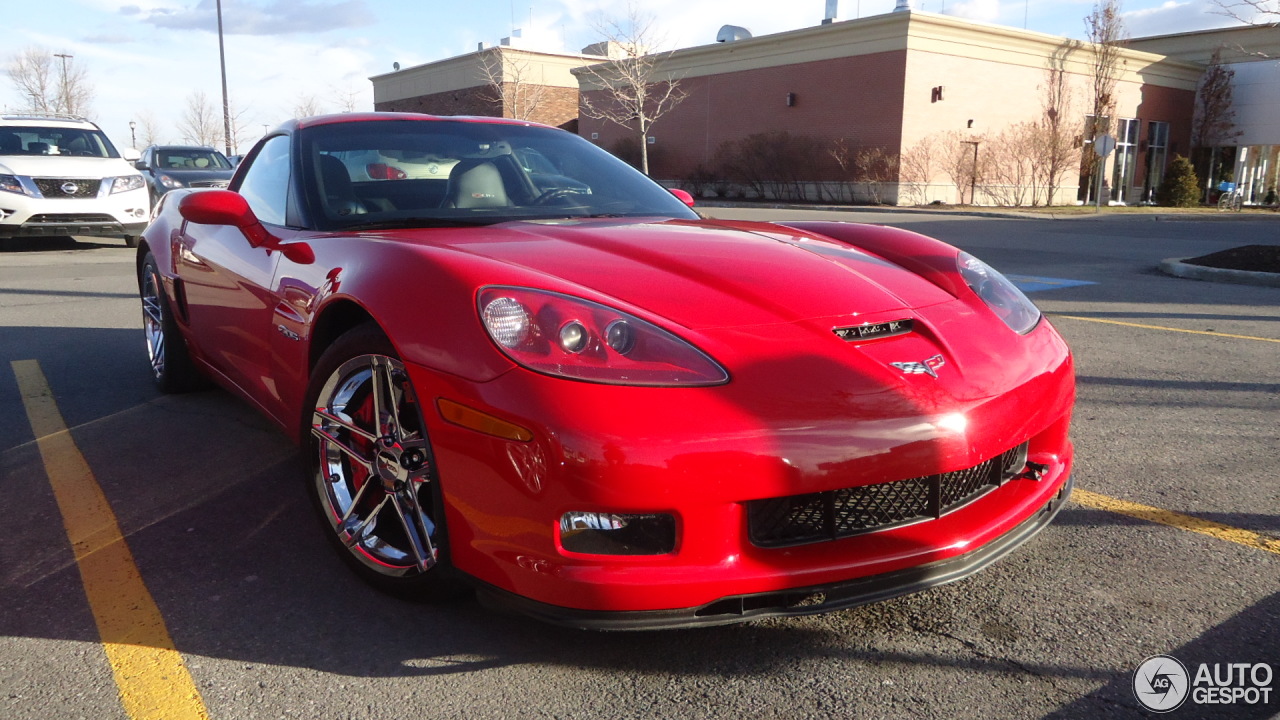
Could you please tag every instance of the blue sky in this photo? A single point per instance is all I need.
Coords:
(145, 58)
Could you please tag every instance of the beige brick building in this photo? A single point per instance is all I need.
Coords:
(905, 80)
(906, 107)
(500, 81)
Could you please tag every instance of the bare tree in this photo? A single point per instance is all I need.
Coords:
(516, 90)
(875, 168)
(51, 82)
(961, 160)
(843, 155)
(636, 93)
(1213, 123)
(1056, 147)
(1105, 30)
(148, 129)
(201, 122)
(239, 133)
(1251, 12)
(307, 106)
(346, 99)
(918, 165)
(1010, 175)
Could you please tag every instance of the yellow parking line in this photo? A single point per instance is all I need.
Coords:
(153, 681)
(1248, 538)
(1170, 329)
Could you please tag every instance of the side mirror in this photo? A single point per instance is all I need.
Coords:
(141, 165)
(224, 207)
(130, 155)
(682, 196)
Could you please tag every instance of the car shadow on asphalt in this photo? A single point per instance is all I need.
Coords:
(1247, 637)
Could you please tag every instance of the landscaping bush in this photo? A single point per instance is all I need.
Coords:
(1180, 188)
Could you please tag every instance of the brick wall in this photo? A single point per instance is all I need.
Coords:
(858, 98)
(559, 106)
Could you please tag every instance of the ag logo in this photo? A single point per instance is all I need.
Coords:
(1161, 683)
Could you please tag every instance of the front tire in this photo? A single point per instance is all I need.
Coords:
(371, 471)
(171, 365)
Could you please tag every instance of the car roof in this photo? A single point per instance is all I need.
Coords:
(47, 119)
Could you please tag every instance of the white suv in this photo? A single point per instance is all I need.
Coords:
(60, 175)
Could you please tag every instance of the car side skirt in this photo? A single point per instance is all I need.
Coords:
(792, 602)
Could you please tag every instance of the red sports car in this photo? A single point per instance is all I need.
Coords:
(555, 383)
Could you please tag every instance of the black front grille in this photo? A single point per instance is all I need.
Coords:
(834, 514)
(67, 187)
(70, 218)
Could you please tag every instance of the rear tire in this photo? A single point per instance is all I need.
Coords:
(371, 472)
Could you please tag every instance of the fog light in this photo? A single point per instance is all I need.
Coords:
(617, 534)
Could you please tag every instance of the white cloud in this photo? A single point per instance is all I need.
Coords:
(1175, 17)
(983, 10)
(276, 17)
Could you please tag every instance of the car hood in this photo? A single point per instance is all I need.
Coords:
(64, 166)
(707, 274)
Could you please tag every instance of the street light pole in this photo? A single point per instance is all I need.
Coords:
(226, 103)
(133, 134)
(64, 96)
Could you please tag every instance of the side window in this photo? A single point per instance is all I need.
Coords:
(266, 183)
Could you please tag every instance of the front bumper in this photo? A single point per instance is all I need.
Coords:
(791, 602)
(62, 226)
(106, 215)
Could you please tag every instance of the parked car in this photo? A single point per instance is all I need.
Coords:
(596, 407)
(60, 175)
(169, 167)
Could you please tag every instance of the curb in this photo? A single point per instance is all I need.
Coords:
(994, 213)
(1177, 268)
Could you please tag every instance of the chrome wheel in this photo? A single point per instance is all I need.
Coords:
(153, 321)
(372, 466)
(171, 365)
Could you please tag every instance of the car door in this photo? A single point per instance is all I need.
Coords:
(227, 281)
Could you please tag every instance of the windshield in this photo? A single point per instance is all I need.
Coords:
(423, 173)
(191, 159)
(35, 140)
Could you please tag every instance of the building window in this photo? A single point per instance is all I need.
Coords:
(1126, 161)
(1090, 164)
(1157, 158)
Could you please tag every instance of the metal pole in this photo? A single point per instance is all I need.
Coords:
(226, 103)
(64, 96)
(1097, 196)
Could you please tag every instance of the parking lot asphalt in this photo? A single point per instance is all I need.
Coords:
(1171, 545)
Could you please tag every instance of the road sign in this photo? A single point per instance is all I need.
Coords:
(1103, 145)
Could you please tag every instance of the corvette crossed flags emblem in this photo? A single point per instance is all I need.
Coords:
(928, 367)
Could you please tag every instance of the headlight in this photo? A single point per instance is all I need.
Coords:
(169, 182)
(1002, 296)
(126, 183)
(9, 183)
(574, 338)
